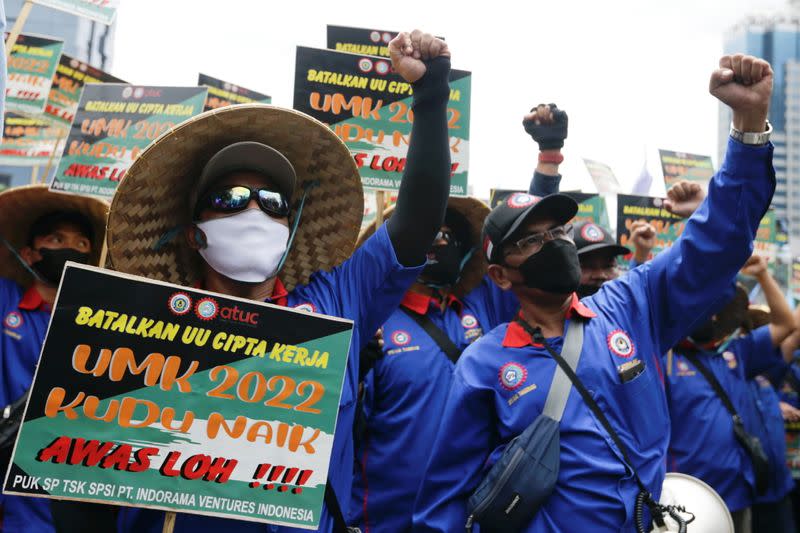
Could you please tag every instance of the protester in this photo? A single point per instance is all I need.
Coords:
(450, 306)
(772, 511)
(704, 440)
(39, 232)
(501, 380)
(283, 184)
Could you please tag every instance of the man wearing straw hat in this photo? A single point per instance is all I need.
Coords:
(265, 203)
(39, 232)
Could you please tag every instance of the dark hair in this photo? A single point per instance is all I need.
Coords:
(47, 224)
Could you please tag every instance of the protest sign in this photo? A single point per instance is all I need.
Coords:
(679, 166)
(149, 394)
(369, 108)
(603, 177)
(795, 280)
(769, 238)
(222, 93)
(591, 207)
(29, 141)
(113, 124)
(632, 208)
(360, 40)
(102, 11)
(31, 67)
(70, 77)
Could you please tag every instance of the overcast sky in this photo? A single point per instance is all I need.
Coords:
(632, 74)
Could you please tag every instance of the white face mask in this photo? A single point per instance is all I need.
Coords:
(247, 246)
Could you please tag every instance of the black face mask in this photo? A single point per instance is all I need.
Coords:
(51, 265)
(444, 266)
(555, 268)
(587, 290)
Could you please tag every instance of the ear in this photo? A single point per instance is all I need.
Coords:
(29, 255)
(498, 275)
(195, 238)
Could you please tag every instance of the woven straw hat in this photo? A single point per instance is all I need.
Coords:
(153, 197)
(20, 207)
(475, 212)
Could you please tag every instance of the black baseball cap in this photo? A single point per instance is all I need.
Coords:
(590, 237)
(511, 213)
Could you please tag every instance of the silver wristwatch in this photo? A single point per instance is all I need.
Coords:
(749, 137)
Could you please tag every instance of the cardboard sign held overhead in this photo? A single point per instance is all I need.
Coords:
(149, 394)
(369, 108)
(223, 93)
(31, 66)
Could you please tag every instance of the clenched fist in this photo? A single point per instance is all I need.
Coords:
(410, 51)
(684, 198)
(643, 237)
(547, 125)
(744, 83)
(755, 266)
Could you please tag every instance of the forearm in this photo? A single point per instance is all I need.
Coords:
(782, 322)
(546, 180)
(422, 198)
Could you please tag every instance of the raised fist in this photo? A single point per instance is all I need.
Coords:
(755, 266)
(643, 237)
(684, 198)
(548, 125)
(410, 51)
(744, 83)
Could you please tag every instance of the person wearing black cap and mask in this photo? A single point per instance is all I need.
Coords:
(450, 306)
(608, 469)
(39, 232)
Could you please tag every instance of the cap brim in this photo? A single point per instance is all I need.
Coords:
(559, 207)
(615, 248)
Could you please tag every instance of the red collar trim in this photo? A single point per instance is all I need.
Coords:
(517, 337)
(279, 293)
(32, 301)
(420, 303)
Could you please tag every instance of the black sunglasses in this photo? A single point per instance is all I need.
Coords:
(236, 197)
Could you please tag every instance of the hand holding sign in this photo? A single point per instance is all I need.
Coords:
(745, 84)
(409, 51)
(684, 198)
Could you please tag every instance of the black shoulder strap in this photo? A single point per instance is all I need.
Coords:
(439, 337)
(538, 337)
(332, 502)
(712, 380)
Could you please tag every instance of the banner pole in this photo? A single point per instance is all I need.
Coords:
(379, 199)
(169, 522)
(17, 28)
(50, 160)
(35, 175)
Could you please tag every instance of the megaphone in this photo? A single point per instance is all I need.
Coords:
(710, 513)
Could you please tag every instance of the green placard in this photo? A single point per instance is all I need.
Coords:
(114, 123)
(369, 108)
(31, 67)
(769, 239)
(102, 11)
(29, 141)
(632, 208)
(223, 93)
(65, 94)
(149, 394)
(679, 166)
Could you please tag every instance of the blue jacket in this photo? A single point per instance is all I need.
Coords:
(703, 443)
(402, 403)
(404, 395)
(768, 426)
(501, 381)
(365, 288)
(25, 318)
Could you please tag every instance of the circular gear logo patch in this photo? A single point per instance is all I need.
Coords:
(469, 321)
(13, 320)
(512, 375)
(621, 344)
(401, 338)
(518, 200)
(593, 233)
(365, 65)
(180, 303)
(306, 307)
(207, 309)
